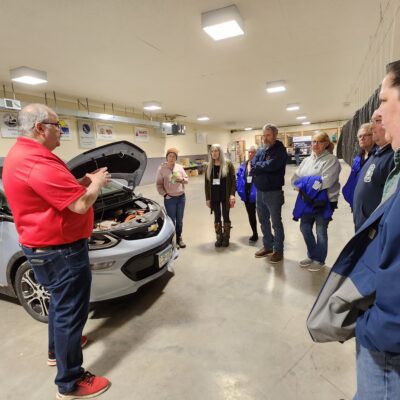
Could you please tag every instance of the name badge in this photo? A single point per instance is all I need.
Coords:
(216, 181)
(249, 179)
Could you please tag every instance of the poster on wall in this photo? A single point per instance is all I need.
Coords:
(87, 138)
(201, 137)
(105, 132)
(8, 124)
(141, 134)
(65, 130)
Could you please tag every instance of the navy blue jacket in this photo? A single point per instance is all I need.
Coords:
(241, 181)
(310, 199)
(268, 167)
(369, 188)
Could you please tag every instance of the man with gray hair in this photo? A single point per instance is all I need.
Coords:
(53, 215)
(268, 171)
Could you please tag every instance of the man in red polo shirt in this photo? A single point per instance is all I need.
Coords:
(54, 217)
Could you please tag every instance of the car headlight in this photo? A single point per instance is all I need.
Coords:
(101, 241)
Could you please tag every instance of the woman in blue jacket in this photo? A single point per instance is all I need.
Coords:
(247, 191)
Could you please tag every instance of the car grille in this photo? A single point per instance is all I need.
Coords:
(140, 232)
(145, 264)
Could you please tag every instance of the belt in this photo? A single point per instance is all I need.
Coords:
(57, 246)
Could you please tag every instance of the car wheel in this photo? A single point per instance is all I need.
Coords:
(32, 296)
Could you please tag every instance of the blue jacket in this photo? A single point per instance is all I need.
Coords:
(369, 270)
(369, 188)
(241, 180)
(310, 199)
(350, 185)
(268, 167)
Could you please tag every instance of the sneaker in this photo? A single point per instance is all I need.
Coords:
(305, 263)
(276, 257)
(181, 244)
(51, 360)
(253, 238)
(316, 266)
(263, 252)
(87, 386)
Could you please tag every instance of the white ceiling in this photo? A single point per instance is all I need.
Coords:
(129, 51)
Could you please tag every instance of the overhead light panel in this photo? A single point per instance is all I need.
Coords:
(248, 129)
(28, 75)
(222, 23)
(301, 117)
(276, 87)
(203, 118)
(306, 123)
(152, 105)
(292, 107)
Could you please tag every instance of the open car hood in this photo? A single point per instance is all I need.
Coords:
(123, 160)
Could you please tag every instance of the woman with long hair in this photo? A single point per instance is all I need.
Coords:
(220, 186)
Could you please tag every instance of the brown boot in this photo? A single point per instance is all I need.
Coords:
(218, 232)
(226, 235)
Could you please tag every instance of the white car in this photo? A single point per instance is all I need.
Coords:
(132, 241)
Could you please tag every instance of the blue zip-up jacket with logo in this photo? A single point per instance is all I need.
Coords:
(311, 200)
(268, 167)
(369, 188)
(369, 265)
(241, 177)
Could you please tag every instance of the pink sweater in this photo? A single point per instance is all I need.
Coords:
(165, 180)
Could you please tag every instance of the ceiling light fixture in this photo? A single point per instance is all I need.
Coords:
(28, 75)
(292, 107)
(222, 23)
(300, 117)
(248, 129)
(203, 118)
(151, 105)
(306, 123)
(276, 87)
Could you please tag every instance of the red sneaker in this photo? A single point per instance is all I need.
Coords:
(87, 386)
(51, 359)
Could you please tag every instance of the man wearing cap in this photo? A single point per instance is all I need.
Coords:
(170, 181)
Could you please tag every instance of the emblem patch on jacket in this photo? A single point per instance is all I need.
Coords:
(368, 175)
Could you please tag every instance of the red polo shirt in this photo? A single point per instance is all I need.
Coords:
(39, 188)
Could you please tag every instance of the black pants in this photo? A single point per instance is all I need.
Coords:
(251, 213)
(216, 206)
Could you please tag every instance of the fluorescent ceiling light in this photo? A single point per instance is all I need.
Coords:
(222, 23)
(28, 75)
(292, 107)
(300, 117)
(151, 105)
(106, 117)
(203, 118)
(306, 123)
(276, 87)
(248, 129)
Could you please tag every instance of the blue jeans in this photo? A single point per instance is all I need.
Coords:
(65, 273)
(269, 209)
(378, 375)
(175, 207)
(317, 248)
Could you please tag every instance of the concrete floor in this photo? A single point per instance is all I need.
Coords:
(227, 326)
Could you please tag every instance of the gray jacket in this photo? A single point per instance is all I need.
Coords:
(327, 167)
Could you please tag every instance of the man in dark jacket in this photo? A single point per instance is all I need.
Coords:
(369, 188)
(268, 171)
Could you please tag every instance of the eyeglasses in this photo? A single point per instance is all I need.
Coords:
(375, 121)
(56, 124)
(364, 136)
